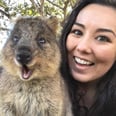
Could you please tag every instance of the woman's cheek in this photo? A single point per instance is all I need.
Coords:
(70, 43)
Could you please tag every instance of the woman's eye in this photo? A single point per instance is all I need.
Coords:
(77, 32)
(103, 39)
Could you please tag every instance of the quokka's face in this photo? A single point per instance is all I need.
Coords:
(31, 51)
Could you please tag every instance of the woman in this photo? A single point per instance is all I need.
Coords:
(88, 46)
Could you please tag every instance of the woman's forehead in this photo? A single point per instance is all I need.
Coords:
(98, 15)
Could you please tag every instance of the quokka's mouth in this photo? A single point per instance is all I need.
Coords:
(26, 72)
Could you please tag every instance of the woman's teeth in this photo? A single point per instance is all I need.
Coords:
(81, 61)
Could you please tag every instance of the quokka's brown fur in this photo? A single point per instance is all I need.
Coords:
(30, 81)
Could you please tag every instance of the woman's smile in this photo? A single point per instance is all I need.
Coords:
(82, 65)
(82, 61)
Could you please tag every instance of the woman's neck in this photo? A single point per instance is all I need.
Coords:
(89, 94)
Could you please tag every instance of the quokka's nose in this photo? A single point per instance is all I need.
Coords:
(24, 55)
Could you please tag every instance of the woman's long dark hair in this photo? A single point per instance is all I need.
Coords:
(105, 104)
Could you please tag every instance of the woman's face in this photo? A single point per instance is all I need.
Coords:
(91, 44)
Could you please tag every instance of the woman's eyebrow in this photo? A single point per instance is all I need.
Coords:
(81, 25)
(99, 30)
(106, 30)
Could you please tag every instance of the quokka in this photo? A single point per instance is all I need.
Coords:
(30, 80)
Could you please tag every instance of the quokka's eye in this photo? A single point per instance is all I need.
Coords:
(15, 39)
(41, 40)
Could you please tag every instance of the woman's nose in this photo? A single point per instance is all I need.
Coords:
(84, 45)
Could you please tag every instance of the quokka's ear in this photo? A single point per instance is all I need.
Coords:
(53, 23)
